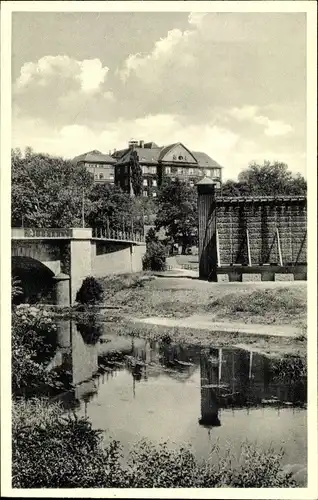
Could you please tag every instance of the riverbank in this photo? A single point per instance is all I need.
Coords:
(269, 316)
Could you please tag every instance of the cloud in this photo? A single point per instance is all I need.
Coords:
(60, 89)
(231, 150)
(89, 73)
(251, 113)
(196, 18)
(92, 74)
(156, 60)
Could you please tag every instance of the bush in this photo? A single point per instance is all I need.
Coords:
(40, 435)
(90, 292)
(151, 236)
(33, 344)
(49, 451)
(155, 257)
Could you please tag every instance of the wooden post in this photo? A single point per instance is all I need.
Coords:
(220, 364)
(301, 247)
(248, 248)
(279, 248)
(250, 366)
(217, 248)
(107, 225)
(207, 230)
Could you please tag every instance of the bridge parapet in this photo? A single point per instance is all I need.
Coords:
(50, 233)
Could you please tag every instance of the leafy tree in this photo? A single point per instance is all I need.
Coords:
(47, 191)
(111, 207)
(177, 212)
(136, 174)
(269, 179)
(151, 236)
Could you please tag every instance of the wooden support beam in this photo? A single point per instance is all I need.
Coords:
(248, 248)
(301, 247)
(279, 248)
(218, 262)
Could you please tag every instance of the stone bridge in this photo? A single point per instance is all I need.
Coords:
(70, 255)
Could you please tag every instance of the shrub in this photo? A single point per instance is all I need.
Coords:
(151, 236)
(16, 290)
(90, 292)
(155, 257)
(49, 451)
(33, 344)
(41, 434)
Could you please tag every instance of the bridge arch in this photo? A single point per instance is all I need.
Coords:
(36, 279)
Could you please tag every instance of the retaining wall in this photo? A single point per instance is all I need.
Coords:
(263, 221)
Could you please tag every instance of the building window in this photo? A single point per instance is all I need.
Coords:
(101, 176)
(216, 173)
(168, 170)
(126, 169)
(152, 170)
(208, 173)
(154, 182)
(144, 182)
(154, 194)
(180, 170)
(96, 176)
(191, 171)
(191, 183)
(145, 194)
(144, 170)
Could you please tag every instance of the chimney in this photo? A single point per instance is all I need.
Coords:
(141, 144)
(133, 144)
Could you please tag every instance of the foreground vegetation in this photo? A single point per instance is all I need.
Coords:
(51, 451)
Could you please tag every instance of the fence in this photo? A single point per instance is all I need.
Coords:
(109, 234)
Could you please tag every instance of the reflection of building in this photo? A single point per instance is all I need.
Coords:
(209, 365)
(101, 166)
(172, 161)
(75, 360)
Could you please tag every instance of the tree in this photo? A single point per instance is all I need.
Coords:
(151, 236)
(269, 179)
(111, 207)
(47, 191)
(177, 212)
(136, 174)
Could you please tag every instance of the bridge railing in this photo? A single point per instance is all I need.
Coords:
(68, 233)
(41, 232)
(109, 234)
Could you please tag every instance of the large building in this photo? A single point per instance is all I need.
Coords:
(172, 161)
(100, 165)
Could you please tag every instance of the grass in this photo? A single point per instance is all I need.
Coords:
(280, 306)
(244, 303)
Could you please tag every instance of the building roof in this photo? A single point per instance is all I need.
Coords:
(94, 157)
(155, 154)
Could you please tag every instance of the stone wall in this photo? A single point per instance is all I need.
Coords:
(116, 258)
(249, 229)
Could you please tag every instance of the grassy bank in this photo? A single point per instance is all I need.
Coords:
(265, 303)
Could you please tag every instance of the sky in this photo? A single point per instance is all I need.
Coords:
(232, 85)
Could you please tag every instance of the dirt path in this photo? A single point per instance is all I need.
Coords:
(204, 322)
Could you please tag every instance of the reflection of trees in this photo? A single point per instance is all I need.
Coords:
(90, 330)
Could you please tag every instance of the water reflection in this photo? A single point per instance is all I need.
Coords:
(228, 377)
